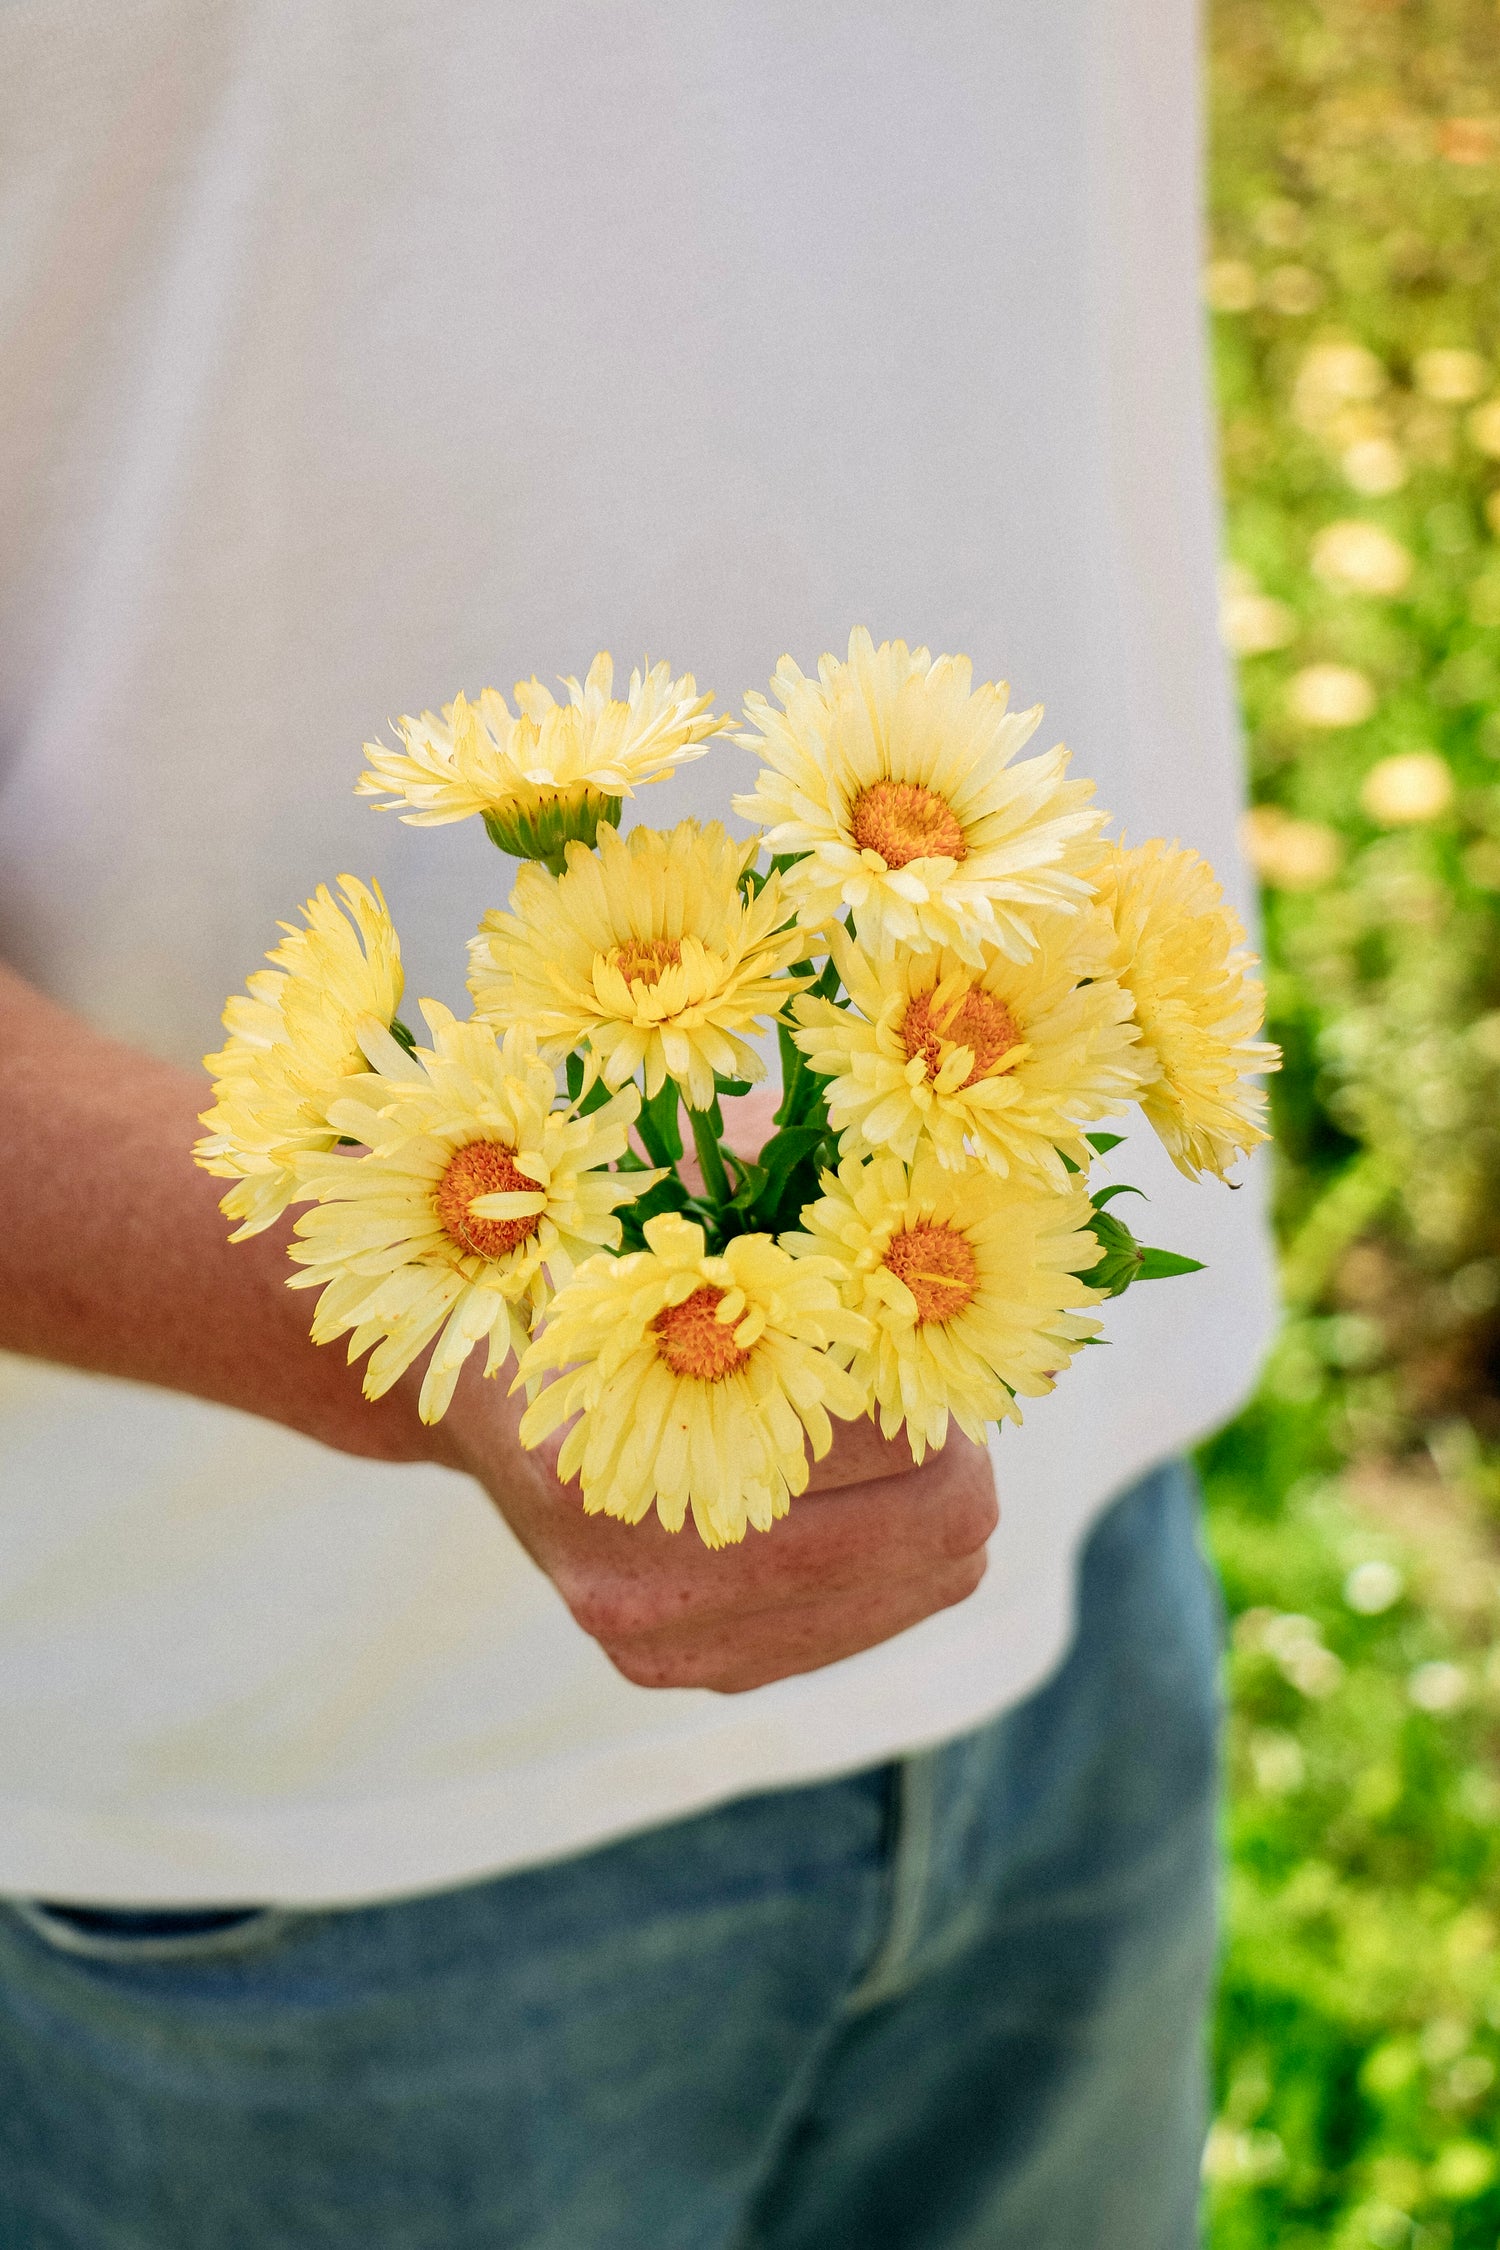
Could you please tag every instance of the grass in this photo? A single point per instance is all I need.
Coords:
(1355, 1510)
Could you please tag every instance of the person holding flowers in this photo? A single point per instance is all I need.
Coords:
(540, 1732)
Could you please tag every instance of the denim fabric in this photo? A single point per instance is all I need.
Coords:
(952, 2004)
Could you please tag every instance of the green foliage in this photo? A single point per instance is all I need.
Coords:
(1359, 2021)
(1356, 218)
(1356, 203)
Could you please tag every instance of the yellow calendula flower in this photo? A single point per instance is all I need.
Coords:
(648, 952)
(548, 772)
(700, 1380)
(1008, 1062)
(1180, 953)
(970, 1282)
(893, 777)
(474, 1199)
(320, 1013)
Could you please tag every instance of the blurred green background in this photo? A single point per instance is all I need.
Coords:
(1355, 1509)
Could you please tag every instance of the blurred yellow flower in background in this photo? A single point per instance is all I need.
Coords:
(970, 1282)
(1361, 558)
(1294, 290)
(321, 1012)
(1252, 623)
(696, 1378)
(1484, 427)
(1180, 953)
(1287, 853)
(475, 1199)
(549, 772)
(1333, 375)
(1330, 695)
(1450, 376)
(1374, 466)
(1230, 285)
(891, 776)
(1414, 785)
(648, 951)
(1009, 1062)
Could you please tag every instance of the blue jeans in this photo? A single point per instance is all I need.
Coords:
(950, 2004)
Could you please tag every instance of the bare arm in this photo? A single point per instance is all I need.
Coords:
(113, 1253)
(114, 1257)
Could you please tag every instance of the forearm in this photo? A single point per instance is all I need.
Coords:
(114, 1256)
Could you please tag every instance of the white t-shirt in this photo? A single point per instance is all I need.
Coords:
(357, 352)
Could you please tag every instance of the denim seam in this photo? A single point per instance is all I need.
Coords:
(910, 1882)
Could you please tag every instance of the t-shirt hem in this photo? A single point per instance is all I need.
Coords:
(369, 1851)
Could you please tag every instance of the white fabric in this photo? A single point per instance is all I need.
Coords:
(355, 352)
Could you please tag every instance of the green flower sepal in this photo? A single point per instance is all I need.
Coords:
(1125, 1260)
(541, 824)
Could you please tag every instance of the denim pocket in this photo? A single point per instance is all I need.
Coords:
(165, 1933)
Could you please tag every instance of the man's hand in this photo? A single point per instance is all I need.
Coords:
(874, 1546)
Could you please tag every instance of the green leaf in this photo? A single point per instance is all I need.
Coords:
(1126, 1261)
(667, 1195)
(574, 1068)
(402, 1035)
(792, 1066)
(1159, 1265)
(731, 1088)
(749, 1180)
(1107, 1195)
(785, 1150)
(1102, 1143)
(660, 1126)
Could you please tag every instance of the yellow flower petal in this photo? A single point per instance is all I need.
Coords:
(698, 1379)
(893, 779)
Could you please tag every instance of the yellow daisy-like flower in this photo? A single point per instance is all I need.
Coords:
(969, 1281)
(648, 951)
(1180, 953)
(549, 772)
(474, 1200)
(697, 1379)
(892, 776)
(321, 1012)
(1007, 1063)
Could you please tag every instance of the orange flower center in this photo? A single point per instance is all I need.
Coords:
(640, 960)
(980, 1022)
(692, 1342)
(483, 1168)
(938, 1265)
(903, 821)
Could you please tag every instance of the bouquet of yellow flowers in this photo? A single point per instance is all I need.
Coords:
(965, 980)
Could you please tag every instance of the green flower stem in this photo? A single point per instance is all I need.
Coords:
(715, 1178)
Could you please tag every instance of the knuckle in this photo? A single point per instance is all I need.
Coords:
(606, 1610)
(962, 1580)
(981, 1515)
(969, 1517)
(647, 1667)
